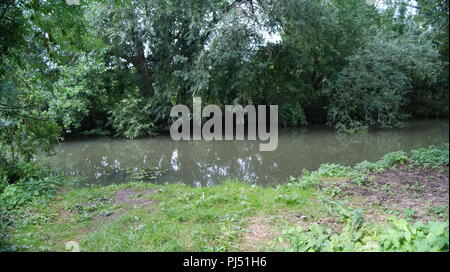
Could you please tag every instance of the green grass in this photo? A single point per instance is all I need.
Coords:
(181, 219)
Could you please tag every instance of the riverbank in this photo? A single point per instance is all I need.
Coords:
(399, 203)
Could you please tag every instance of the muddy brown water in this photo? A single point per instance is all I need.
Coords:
(106, 161)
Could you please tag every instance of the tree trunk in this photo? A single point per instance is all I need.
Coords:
(140, 63)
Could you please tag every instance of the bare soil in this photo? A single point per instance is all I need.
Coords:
(128, 199)
(410, 190)
(259, 232)
(264, 229)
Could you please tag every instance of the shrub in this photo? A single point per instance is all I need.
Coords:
(13, 172)
(24, 191)
(372, 89)
(134, 116)
(131, 118)
(393, 158)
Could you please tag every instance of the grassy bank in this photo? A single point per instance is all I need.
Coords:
(399, 203)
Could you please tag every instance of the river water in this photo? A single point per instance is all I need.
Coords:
(199, 163)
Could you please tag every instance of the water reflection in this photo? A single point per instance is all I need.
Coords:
(201, 163)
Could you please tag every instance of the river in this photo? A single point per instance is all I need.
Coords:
(105, 161)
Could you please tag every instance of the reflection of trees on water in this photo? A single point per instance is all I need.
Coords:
(204, 163)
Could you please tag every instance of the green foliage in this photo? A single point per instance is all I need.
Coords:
(333, 170)
(22, 185)
(94, 67)
(357, 235)
(373, 89)
(13, 172)
(388, 161)
(131, 118)
(431, 157)
(79, 92)
(15, 198)
(426, 157)
(117, 67)
(326, 170)
(27, 190)
(292, 115)
(403, 236)
(26, 181)
(21, 193)
(25, 126)
(315, 239)
(134, 117)
(398, 236)
(290, 199)
(393, 158)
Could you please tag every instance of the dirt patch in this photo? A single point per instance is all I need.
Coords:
(306, 220)
(263, 230)
(258, 233)
(133, 198)
(128, 199)
(64, 215)
(410, 191)
(124, 196)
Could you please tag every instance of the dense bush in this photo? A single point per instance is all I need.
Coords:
(373, 89)
(26, 190)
